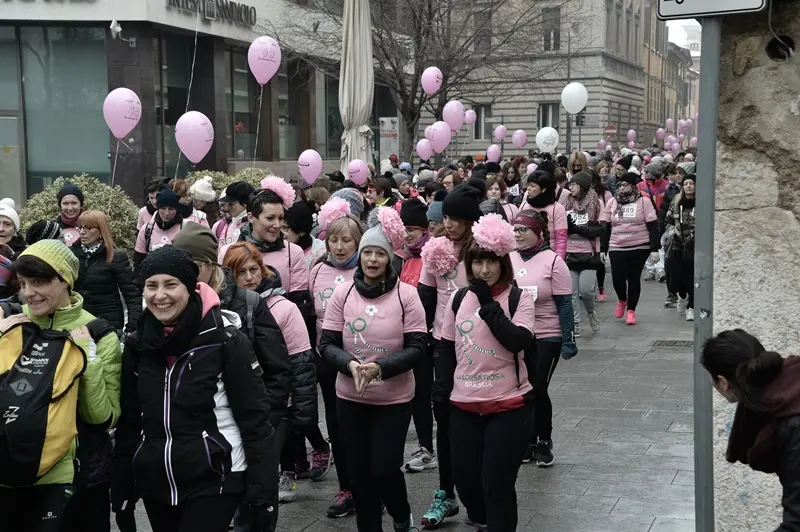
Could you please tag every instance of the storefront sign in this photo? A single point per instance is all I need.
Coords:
(222, 10)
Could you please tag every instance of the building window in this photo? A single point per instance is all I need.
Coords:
(648, 15)
(548, 115)
(483, 26)
(64, 86)
(242, 95)
(551, 22)
(333, 120)
(483, 124)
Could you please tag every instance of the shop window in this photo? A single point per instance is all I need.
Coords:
(333, 120)
(9, 69)
(65, 84)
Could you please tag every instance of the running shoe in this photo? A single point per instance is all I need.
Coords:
(302, 467)
(601, 295)
(287, 488)
(650, 275)
(421, 460)
(320, 464)
(594, 321)
(671, 302)
(631, 318)
(544, 453)
(689, 314)
(682, 304)
(528, 456)
(661, 276)
(576, 331)
(342, 505)
(441, 508)
(620, 310)
(408, 526)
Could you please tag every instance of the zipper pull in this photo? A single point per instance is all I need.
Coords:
(166, 380)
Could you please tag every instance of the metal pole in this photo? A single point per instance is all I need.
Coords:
(569, 79)
(704, 272)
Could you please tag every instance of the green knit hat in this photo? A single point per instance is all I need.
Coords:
(58, 256)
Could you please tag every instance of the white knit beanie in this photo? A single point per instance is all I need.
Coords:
(11, 214)
(386, 166)
(202, 190)
(9, 202)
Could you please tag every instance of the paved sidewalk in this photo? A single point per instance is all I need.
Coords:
(622, 435)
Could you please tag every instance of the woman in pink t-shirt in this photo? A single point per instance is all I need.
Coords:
(375, 385)
(634, 237)
(162, 228)
(545, 276)
(486, 330)
(147, 212)
(541, 197)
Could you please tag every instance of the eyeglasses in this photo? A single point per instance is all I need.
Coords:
(521, 229)
(86, 228)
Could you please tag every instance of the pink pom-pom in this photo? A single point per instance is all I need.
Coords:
(280, 187)
(494, 234)
(392, 226)
(439, 255)
(332, 210)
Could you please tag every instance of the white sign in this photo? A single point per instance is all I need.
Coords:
(390, 137)
(678, 9)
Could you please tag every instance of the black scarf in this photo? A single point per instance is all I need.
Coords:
(246, 235)
(150, 331)
(687, 203)
(528, 253)
(150, 209)
(375, 291)
(165, 226)
(547, 197)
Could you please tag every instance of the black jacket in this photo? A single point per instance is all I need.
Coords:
(17, 244)
(186, 431)
(99, 283)
(303, 372)
(787, 444)
(673, 190)
(267, 340)
(589, 231)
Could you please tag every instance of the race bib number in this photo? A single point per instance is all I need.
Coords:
(578, 218)
(514, 191)
(629, 211)
(532, 290)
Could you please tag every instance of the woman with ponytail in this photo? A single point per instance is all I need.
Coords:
(541, 196)
(766, 428)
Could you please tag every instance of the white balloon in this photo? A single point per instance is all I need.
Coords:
(547, 139)
(574, 97)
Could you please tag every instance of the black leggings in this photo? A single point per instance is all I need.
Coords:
(681, 276)
(601, 276)
(89, 510)
(441, 412)
(375, 443)
(547, 356)
(487, 452)
(34, 509)
(626, 273)
(326, 377)
(210, 514)
(422, 407)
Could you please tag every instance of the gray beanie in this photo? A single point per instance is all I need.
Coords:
(374, 235)
(688, 167)
(354, 198)
(656, 167)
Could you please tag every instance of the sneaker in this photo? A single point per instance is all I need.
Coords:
(441, 508)
(682, 304)
(689, 314)
(287, 488)
(661, 276)
(594, 321)
(631, 318)
(342, 505)
(408, 526)
(320, 464)
(544, 453)
(302, 468)
(620, 310)
(528, 456)
(576, 331)
(671, 302)
(601, 295)
(421, 460)
(650, 275)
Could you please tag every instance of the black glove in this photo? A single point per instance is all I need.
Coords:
(571, 227)
(481, 289)
(262, 517)
(126, 520)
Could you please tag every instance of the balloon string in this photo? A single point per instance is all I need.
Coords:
(258, 125)
(191, 79)
(113, 173)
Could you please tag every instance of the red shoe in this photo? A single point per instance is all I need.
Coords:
(631, 319)
(620, 310)
(601, 295)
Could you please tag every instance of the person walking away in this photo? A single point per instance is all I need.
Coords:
(486, 330)
(343, 234)
(9, 230)
(162, 229)
(375, 384)
(105, 272)
(541, 197)
(235, 199)
(653, 187)
(634, 236)
(37, 483)
(585, 231)
(681, 218)
(542, 274)
(496, 190)
(192, 451)
(765, 433)
(70, 206)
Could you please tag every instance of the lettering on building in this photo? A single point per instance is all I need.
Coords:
(222, 10)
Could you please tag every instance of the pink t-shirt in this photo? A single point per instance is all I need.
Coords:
(70, 235)
(557, 226)
(370, 332)
(158, 238)
(445, 285)
(545, 275)
(510, 211)
(290, 261)
(144, 218)
(485, 370)
(323, 280)
(198, 217)
(230, 234)
(291, 323)
(628, 228)
(577, 243)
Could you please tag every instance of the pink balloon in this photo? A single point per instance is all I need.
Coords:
(424, 149)
(441, 136)
(670, 124)
(310, 165)
(689, 122)
(632, 134)
(601, 144)
(660, 133)
(428, 133)
(671, 140)
(470, 117)
(493, 153)
(519, 139)
(358, 172)
(531, 168)
(676, 148)
(264, 58)
(122, 110)
(432, 80)
(632, 144)
(500, 133)
(693, 142)
(194, 135)
(453, 114)
(681, 125)
(681, 138)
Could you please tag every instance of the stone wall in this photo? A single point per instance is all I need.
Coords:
(757, 237)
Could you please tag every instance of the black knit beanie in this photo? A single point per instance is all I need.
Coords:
(70, 189)
(414, 213)
(299, 218)
(463, 202)
(583, 179)
(169, 260)
(168, 198)
(630, 178)
(42, 230)
(625, 162)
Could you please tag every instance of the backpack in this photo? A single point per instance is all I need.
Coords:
(39, 369)
(222, 226)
